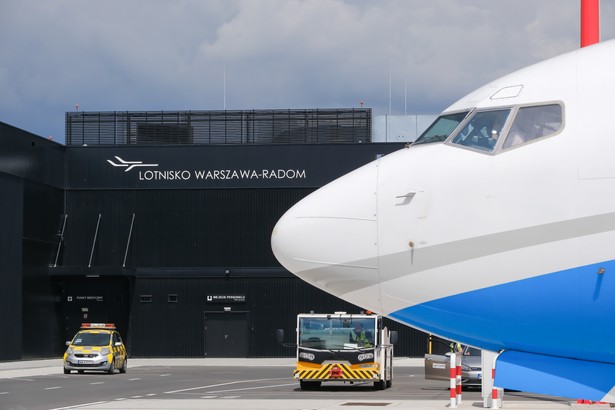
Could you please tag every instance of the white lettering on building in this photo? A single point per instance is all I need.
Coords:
(164, 175)
(221, 174)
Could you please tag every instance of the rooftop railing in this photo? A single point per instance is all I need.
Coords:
(219, 127)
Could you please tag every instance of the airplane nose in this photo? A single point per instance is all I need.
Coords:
(329, 238)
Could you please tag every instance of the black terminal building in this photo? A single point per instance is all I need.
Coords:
(160, 222)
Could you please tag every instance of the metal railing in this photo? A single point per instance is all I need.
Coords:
(219, 127)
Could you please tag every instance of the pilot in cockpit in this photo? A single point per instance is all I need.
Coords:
(496, 131)
(491, 131)
(483, 130)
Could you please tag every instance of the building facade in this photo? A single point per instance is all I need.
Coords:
(164, 227)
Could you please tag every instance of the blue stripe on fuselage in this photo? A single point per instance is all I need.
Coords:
(570, 313)
(554, 375)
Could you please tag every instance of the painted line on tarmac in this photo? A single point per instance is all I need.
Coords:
(79, 405)
(252, 388)
(224, 384)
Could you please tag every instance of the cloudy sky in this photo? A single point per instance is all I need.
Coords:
(143, 55)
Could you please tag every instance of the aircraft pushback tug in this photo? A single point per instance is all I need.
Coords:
(343, 347)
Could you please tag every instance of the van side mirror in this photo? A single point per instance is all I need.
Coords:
(279, 335)
(394, 337)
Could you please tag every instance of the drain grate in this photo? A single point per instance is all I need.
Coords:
(353, 403)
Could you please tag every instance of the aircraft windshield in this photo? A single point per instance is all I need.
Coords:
(483, 130)
(505, 128)
(534, 122)
(441, 128)
(336, 333)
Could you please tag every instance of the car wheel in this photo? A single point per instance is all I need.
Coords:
(80, 371)
(124, 366)
(66, 371)
(111, 367)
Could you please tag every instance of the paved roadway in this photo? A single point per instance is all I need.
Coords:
(226, 384)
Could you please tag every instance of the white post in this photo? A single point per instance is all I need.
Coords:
(458, 375)
(487, 357)
(495, 399)
(453, 379)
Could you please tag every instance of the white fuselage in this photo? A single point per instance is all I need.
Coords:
(506, 248)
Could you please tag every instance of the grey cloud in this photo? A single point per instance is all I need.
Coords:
(166, 55)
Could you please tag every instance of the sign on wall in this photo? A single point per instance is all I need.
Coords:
(215, 166)
(226, 298)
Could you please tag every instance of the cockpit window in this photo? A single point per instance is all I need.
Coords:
(534, 122)
(441, 128)
(483, 130)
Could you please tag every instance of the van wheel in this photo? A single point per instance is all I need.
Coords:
(380, 385)
(124, 366)
(66, 371)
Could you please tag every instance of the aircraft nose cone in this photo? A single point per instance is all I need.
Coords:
(329, 238)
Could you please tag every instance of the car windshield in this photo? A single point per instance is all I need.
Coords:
(91, 339)
(441, 128)
(336, 333)
(471, 351)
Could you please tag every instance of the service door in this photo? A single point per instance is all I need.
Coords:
(226, 334)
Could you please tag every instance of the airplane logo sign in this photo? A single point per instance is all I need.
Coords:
(129, 164)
